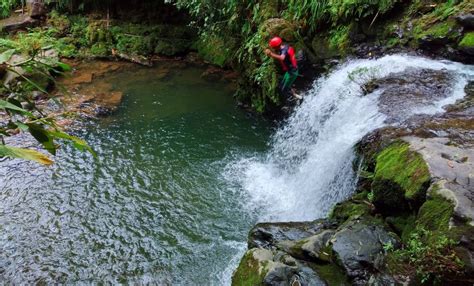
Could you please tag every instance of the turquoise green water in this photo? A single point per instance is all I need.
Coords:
(154, 206)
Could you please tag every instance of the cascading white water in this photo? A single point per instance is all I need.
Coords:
(309, 167)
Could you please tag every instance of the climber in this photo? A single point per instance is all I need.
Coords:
(287, 57)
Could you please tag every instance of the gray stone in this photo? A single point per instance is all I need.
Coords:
(270, 234)
(358, 246)
(452, 167)
(311, 248)
(381, 280)
(466, 20)
(275, 268)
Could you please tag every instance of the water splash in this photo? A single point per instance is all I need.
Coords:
(309, 167)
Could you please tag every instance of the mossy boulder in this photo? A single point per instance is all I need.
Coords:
(435, 214)
(467, 43)
(215, 49)
(355, 207)
(172, 47)
(401, 179)
(314, 248)
(278, 27)
(322, 49)
(252, 268)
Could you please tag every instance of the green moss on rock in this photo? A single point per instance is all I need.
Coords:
(215, 50)
(435, 214)
(250, 271)
(467, 41)
(403, 225)
(349, 209)
(332, 274)
(399, 169)
(439, 30)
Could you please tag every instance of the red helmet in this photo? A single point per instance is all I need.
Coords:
(275, 42)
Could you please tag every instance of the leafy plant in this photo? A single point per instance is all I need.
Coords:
(23, 116)
(6, 6)
(431, 254)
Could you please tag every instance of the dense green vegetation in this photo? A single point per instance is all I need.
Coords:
(235, 33)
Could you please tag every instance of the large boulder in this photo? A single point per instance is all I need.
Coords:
(466, 20)
(451, 167)
(466, 45)
(401, 179)
(278, 27)
(270, 234)
(314, 248)
(265, 267)
(359, 248)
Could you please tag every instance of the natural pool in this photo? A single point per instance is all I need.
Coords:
(154, 206)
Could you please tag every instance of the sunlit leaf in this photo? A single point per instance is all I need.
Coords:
(7, 105)
(22, 126)
(43, 137)
(20, 153)
(6, 55)
(78, 143)
(65, 67)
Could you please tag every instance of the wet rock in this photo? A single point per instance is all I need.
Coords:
(430, 42)
(18, 26)
(466, 20)
(270, 234)
(380, 279)
(265, 267)
(358, 246)
(413, 89)
(313, 248)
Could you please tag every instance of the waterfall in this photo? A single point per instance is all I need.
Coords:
(309, 166)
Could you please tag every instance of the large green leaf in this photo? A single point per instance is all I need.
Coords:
(78, 143)
(7, 105)
(64, 67)
(6, 55)
(42, 136)
(14, 152)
